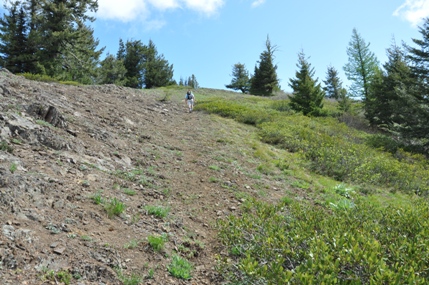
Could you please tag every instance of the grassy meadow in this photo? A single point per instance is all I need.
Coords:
(365, 219)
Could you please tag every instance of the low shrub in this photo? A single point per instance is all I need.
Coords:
(368, 243)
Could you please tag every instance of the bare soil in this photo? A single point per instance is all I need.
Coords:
(62, 145)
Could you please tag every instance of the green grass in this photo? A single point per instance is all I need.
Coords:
(129, 192)
(62, 276)
(13, 167)
(114, 207)
(157, 242)
(357, 197)
(97, 198)
(180, 267)
(157, 211)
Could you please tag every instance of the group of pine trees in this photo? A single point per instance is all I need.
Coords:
(264, 80)
(395, 96)
(51, 37)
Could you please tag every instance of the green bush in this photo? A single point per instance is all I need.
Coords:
(369, 243)
(157, 242)
(180, 267)
(114, 207)
(158, 211)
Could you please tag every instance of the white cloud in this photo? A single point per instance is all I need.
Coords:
(124, 10)
(208, 7)
(257, 3)
(413, 11)
(129, 10)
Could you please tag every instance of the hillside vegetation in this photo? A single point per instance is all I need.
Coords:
(121, 186)
(363, 214)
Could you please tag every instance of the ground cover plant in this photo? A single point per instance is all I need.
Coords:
(368, 228)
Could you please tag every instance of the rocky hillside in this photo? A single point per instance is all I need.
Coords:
(88, 173)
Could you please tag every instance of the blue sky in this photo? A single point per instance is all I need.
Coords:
(207, 37)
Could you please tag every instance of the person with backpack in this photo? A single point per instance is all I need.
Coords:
(190, 99)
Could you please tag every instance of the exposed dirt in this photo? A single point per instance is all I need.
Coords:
(140, 147)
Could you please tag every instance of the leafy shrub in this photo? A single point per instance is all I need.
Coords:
(157, 242)
(180, 267)
(157, 211)
(369, 243)
(384, 142)
(114, 207)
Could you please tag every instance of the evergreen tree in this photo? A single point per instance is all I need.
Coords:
(419, 59)
(344, 102)
(192, 82)
(361, 67)
(264, 81)
(81, 60)
(416, 94)
(13, 37)
(111, 71)
(157, 72)
(132, 53)
(307, 94)
(240, 80)
(385, 105)
(333, 85)
(62, 27)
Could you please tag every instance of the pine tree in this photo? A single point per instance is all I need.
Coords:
(264, 81)
(81, 60)
(62, 27)
(361, 67)
(157, 71)
(333, 84)
(307, 94)
(384, 107)
(111, 71)
(240, 80)
(192, 82)
(132, 53)
(13, 37)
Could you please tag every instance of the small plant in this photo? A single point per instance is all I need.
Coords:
(157, 242)
(4, 146)
(342, 190)
(43, 123)
(114, 208)
(60, 276)
(13, 167)
(214, 167)
(135, 218)
(16, 141)
(53, 229)
(158, 211)
(129, 192)
(166, 192)
(134, 279)
(131, 244)
(213, 179)
(97, 198)
(150, 273)
(180, 267)
(71, 236)
(86, 238)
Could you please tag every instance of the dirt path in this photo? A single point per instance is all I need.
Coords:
(124, 145)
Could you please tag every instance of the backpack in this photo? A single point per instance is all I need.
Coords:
(190, 96)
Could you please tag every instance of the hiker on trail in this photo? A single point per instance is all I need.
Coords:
(190, 99)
